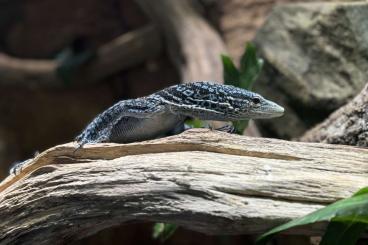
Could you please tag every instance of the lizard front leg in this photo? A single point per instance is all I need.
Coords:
(102, 127)
(227, 129)
(17, 166)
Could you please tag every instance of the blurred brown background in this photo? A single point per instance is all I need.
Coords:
(36, 118)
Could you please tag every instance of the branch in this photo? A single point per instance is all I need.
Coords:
(194, 46)
(348, 125)
(124, 51)
(207, 181)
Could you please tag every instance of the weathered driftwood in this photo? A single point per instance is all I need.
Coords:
(194, 46)
(348, 125)
(207, 181)
(122, 52)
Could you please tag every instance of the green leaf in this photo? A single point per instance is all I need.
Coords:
(250, 67)
(353, 209)
(195, 123)
(163, 231)
(240, 126)
(343, 233)
(361, 192)
(231, 73)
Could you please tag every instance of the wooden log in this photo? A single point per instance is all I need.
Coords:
(348, 125)
(122, 52)
(203, 180)
(194, 46)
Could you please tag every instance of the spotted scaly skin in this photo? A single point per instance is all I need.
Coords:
(165, 111)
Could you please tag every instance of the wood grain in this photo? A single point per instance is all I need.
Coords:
(204, 180)
(348, 125)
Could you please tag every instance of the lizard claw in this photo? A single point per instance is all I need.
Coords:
(227, 129)
(80, 145)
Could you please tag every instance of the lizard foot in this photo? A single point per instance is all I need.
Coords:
(17, 166)
(227, 129)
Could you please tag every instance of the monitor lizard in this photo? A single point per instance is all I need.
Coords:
(165, 111)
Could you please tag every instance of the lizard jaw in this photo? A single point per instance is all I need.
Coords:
(270, 110)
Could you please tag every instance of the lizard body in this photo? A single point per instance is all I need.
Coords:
(165, 111)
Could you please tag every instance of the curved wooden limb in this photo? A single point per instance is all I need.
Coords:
(204, 180)
(194, 46)
(348, 125)
(122, 52)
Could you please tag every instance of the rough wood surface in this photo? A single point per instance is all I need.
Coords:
(207, 181)
(348, 125)
(122, 52)
(194, 46)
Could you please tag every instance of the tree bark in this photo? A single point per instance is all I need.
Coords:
(124, 51)
(194, 46)
(347, 126)
(203, 180)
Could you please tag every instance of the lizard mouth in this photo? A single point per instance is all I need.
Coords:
(269, 110)
(278, 110)
(274, 111)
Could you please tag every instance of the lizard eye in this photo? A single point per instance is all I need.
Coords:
(256, 100)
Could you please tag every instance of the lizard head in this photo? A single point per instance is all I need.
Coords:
(212, 101)
(235, 103)
(249, 105)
